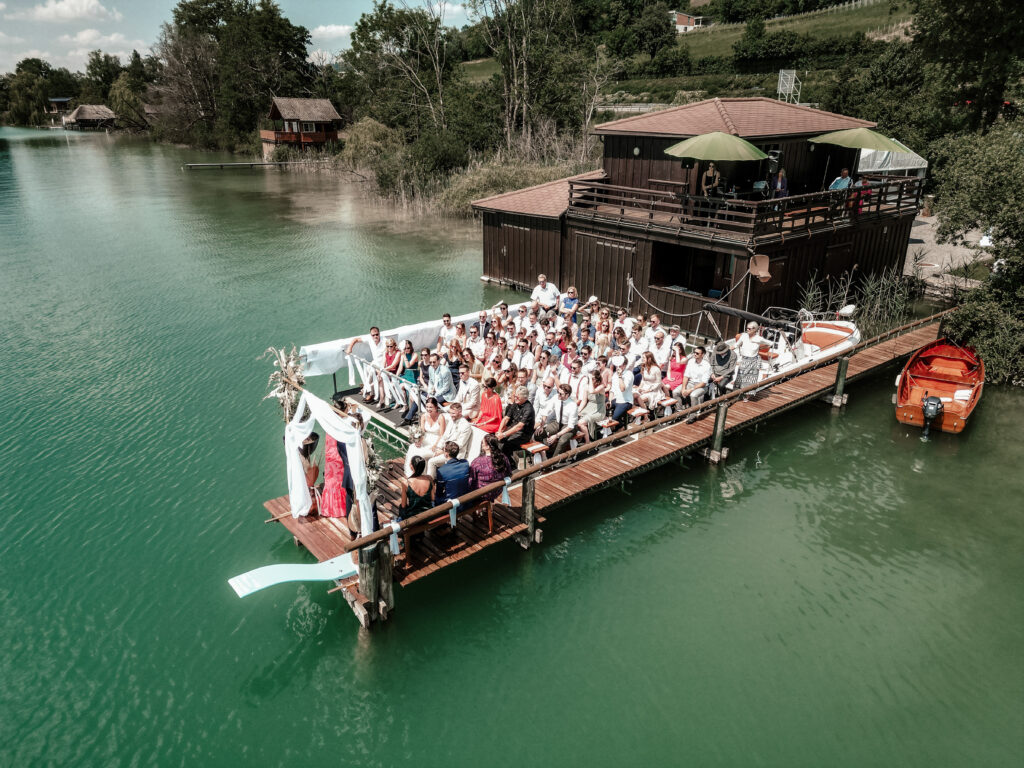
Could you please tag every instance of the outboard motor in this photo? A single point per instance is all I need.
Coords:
(931, 409)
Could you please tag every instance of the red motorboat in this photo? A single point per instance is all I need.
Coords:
(940, 385)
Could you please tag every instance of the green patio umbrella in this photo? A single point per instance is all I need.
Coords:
(859, 138)
(716, 145)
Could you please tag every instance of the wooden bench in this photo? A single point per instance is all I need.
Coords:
(445, 519)
(637, 413)
(537, 451)
(668, 403)
(607, 426)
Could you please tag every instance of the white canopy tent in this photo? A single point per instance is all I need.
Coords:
(907, 163)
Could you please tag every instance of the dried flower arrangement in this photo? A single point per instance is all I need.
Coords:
(282, 381)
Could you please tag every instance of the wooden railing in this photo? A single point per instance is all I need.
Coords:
(729, 216)
(529, 474)
(294, 137)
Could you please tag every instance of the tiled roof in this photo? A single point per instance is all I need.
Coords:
(547, 200)
(749, 118)
(311, 110)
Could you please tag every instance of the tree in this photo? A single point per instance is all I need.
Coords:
(655, 29)
(101, 70)
(977, 188)
(978, 46)
(126, 102)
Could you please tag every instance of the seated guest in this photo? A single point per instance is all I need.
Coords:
(482, 325)
(459, 430)
(661, 349)
(723, 367)
(675, 334)
(417, 490)
(544, 400)
(623, 322)
(710, 180)
(476, 342)
(434, 424)
(489, 467)
(676, 369)
(517, 423)
(447, 332)
(545, 296)
(603, 337)
(522, 357)
(452, 357)
(593, 306)
(585, 340)
(452, 476)
(621, 389)
(653, 326)
(842, 181)
(471, 361)
(567, 305)
(489, 419)
(618, 339)
(649, 391)
(441, 385)
(561, 424)
(593, 410)
(468, 394)
(416, 448)
(698, 374)
(461, 335)
(588, 359)
(423, 381)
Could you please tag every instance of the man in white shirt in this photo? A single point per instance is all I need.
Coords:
(376, 345)
(674, 335)
(623, 321)
(561, 426)
(522, 357)
(531, 324)
(544, 400)
(653, 326)
(545, 296)
(587, 356)
(447, 331)
(520, 317)
(694, 386)
(476, 342)
(459, 432)
(661, 349)
(578, 383)
(482, 324)
(468, 394)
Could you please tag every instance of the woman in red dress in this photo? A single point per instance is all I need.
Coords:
(676, 370)
(336, 497)
(490, 408)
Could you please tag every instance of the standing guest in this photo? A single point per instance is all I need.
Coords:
(490, 415)
(482, 325)
(447, 332)
(650, 382)
(489, 467)
(594, 409)
(417, 490)
(370, 388)
(698, 374)
(710, 180)
(475, 342)
(392, 365)
(723, 367)
(517, 423)
(441, 385)
(468, 394)
(545, 296)
(621, 389)
(780, 187)
(624, 322)
(339, 488)
(567, 305)
(676, 369)
(842, 181)
(748, 346)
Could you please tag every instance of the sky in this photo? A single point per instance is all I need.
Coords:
(64, 31)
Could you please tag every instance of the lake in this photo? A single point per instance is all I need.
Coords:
(838, 593)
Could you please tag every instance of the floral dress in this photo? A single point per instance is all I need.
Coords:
(334, 497)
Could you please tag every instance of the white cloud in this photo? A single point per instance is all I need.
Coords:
(2, 6)
(332, 31)
(10, 40)
(93, 38)
(67, 10)
(9, 60)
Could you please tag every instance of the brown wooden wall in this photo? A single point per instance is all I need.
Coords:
(628, 170)
(517, 248)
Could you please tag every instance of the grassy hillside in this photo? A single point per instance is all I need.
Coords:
(480, 70)
(717, 41)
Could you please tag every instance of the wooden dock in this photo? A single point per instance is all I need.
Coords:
(432, 543)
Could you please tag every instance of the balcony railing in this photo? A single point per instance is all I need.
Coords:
(744, 219)
(293, 137)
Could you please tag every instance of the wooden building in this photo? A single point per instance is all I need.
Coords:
(90, 117)
(301, 123)
(642, 215)
(58, 105)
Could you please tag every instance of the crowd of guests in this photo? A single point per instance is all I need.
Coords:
(550, 371)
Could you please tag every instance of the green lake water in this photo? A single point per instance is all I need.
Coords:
(837, 594)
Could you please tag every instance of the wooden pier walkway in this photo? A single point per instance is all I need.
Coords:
(432, 543)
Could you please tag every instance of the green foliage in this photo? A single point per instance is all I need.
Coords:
(483, 179)
(26, 90)
(101, 71)
(978, 188)
(126, 103)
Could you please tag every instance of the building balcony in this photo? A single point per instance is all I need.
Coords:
(294, 137)
(744, 221)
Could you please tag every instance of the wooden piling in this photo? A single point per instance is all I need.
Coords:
(716, 452)
(386, 603)
(529, 511)
(838, 398)
(369, 578)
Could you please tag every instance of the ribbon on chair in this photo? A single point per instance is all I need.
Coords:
(351, 371)
(504, 492)
(395, 528)
(453, 515)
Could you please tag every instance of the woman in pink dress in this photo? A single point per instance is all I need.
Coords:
(335, 498)
(676, 369)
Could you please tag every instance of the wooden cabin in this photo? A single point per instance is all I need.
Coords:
(643, 216)
(90, 117)
(300, 123)
(58, 105)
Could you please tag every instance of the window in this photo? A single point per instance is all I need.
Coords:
(308, 127)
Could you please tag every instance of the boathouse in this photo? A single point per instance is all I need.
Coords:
(302, 123)
(642, 220)
(58, 105)
(90, 117)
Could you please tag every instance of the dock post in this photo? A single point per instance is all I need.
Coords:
(369, 582)
(716, 452)
(529, 512)
(838, 398)
(386, 604)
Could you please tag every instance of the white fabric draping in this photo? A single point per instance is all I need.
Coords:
(328, 357)
(341, 429)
